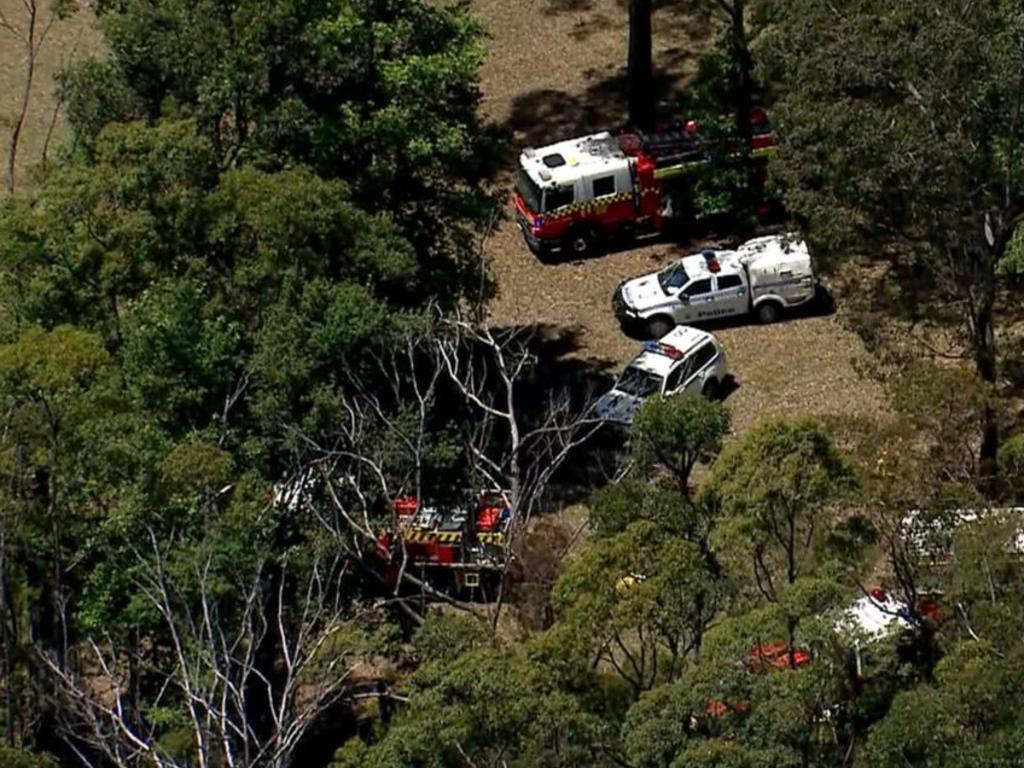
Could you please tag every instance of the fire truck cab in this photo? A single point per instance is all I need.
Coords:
(572, 193)
(572, 196)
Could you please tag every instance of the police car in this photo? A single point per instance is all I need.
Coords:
(684, 360)
(763, 277)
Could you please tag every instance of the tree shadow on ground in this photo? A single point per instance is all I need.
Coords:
(561, 375)
(547, 115)
(671, 9)
(569, 6)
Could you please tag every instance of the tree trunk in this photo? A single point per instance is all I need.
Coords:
(743, 73)
(6, 620)
(752, 194)
(26, 94)
(985, 363)
(640, 74)
(791, 641)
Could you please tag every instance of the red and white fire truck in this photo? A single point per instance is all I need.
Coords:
(460, 548)
(573, 196)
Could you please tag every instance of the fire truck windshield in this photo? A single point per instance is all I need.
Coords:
(638, 382)
(673, 276)
(529, 191)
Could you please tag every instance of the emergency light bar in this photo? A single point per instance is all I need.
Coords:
(663, 349)
(712, 261)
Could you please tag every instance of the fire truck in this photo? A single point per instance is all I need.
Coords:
(459, 549)
(573, 196)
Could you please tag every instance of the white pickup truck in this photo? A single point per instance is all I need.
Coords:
(763, 277)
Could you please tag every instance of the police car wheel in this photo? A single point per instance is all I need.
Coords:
(710, 390)
(658, 327)
(768, 313)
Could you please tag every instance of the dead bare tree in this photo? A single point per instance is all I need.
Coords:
(514, 446)
(250, 680)
(514, 440)
(31, 35)
(377, 451)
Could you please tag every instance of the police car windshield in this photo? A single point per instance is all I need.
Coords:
(638, 383)
(673, 276)
(529, 191)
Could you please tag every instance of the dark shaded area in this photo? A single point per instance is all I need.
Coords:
(727, 387)
(548, 115)
(567, 6)
(559, 373)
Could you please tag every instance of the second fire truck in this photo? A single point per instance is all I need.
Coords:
(459, 549)
(573, 196)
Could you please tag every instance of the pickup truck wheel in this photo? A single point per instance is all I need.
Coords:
(659, 326)
(582, 242)
(768, 312)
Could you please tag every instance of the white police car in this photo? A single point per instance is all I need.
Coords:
(763, 277)
(684, 360)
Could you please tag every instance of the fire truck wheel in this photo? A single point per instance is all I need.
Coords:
(768, 312)
(659, 326)
(582, 242)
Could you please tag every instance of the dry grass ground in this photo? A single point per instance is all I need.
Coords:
(66, 40)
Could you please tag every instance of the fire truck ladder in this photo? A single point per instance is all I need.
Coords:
(674, 152)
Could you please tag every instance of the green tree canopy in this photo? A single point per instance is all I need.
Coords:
(640, 602)
(902, 127)
(772, 491)
(675, 433)
(382, 94)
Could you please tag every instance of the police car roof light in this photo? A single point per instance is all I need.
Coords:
(671, 351)
(712, 261)
(663, 349)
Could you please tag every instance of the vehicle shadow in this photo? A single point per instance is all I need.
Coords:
(727, 388)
